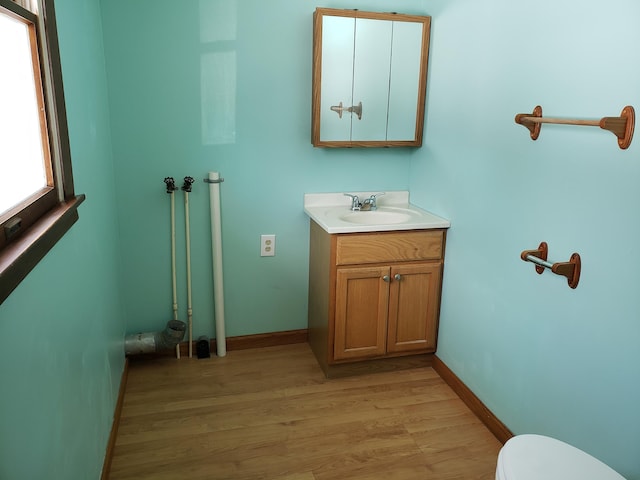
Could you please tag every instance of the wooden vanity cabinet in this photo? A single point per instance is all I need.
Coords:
(373, 295)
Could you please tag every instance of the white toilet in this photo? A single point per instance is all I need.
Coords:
(536, 457)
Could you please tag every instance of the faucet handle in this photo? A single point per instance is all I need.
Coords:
(372, 200)
(355, 201)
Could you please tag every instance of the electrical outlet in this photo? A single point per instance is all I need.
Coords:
(267, 245)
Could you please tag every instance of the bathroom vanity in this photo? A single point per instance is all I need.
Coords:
(374, 282)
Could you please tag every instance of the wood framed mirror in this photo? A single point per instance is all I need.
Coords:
(369, 78)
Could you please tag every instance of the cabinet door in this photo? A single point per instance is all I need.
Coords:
(362, 298)
(336, 77)
(404, 80)
(413, 307)
(371, 74)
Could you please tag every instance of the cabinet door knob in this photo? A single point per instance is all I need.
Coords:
(397, 276)
(338, 109)
(386, 278)
(357, 109)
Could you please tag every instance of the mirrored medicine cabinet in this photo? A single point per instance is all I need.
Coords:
(369, 78)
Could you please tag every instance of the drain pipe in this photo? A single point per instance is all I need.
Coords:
(167, 339)
(214, 181)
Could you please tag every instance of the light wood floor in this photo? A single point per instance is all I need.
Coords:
(269, 413)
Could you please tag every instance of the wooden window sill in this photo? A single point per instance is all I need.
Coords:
(20, 257)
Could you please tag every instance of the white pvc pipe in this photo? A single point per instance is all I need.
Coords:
(188, 242)
(173, 263)
(216, 247)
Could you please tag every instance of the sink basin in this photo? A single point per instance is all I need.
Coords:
(376, 217)
(332, 213)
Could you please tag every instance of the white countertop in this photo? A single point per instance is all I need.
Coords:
(332, 211)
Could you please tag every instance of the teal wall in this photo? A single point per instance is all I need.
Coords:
(61, 354)
(543, 357)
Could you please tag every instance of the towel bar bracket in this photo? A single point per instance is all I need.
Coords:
(541, 253)
(570, 269)
(525, 120)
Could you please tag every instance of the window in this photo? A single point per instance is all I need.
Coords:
(37, 200)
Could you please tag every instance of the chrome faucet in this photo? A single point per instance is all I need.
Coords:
(355, 202)
(370, 203)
